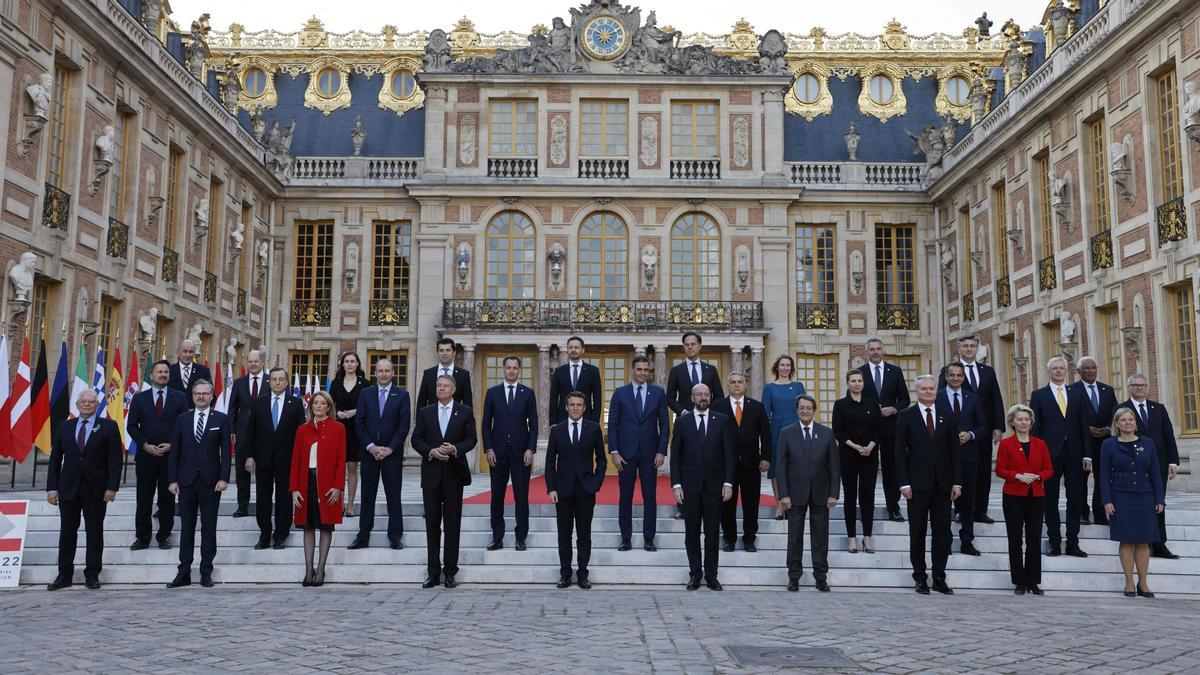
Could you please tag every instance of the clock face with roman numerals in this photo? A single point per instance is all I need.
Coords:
(604, 38)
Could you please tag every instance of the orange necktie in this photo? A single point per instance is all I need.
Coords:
(737, 413)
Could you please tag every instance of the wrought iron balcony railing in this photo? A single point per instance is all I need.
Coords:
(968, 307)
(311, 313)
(1102, 250)
(170, 266)
(56, 208)
(1171, 219)
(603, 168)
(898, 316)
(117, 243)
(811, 315)
(623, 315)
(512, 167)
(210, 287)
(1004, 291)
(388, 313)
(696, 169)
(1047, 273)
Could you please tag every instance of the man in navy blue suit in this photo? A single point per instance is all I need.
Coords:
(152, 414)
(1102, 403)
(510, 433)
(198, 469)
(981, 380)
(1153, 421)
(575, 467)
(186, 372)
(1060, 419)
(265, 448)
(242, 394)
(382, 423)
(638, 429)
(83, 482)
(973, 431)
(575, 375)
(703, 464)
(885, 383)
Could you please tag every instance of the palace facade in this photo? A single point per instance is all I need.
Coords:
(609, 176)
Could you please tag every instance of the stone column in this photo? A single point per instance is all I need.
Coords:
(775, 286)
(735, 360)
(468, 364)
(435, 129)
(773, 128)
(660, 366)
(756, 368)
(544, 368)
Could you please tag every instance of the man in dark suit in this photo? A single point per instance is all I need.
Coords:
(510, 433)
(638, 429)
(981, 380)
(575, 467)
(1154, 422)
(809, 476)
(929, 468)
(266, 451)
(688, 374)
(198, 469)
(382, 423)
(185, 372)
(702, 475)
(973, 432)
(1060, 419)
(242, 394)
(152, 414)
(575, 375)
(83, 482)
(885, 383)
(443, 435)
(426, 394)
(1102, 403)
(753, 450)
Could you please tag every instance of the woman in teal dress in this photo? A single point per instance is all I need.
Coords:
(779, 399)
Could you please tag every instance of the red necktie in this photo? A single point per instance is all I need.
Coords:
(81, 438)
(158, 405)
(253, 388)
(929, 422)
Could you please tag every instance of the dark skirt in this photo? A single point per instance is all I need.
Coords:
(351, 439)
(1134, 520)
(314, 505)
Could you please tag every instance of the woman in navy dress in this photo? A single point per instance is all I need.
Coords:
(1132, 491)
(779, 399)
(348, 382)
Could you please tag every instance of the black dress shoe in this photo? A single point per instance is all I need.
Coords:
(564, 582)
(496, 545)
(1019, 590)
(1033, 588)
(432, 582)
(263, 542)
(823, 586)
(922, 588)
(164, 544)
(206, 580)
(895, 517)
(357, 543)
(1053, 551)
(1074, 551)
(93, 584)
(649, 546)
(584, 582)
(450, 582)
(678, 514)
(1144, 594)
(240, 513)
(714, 585)
(1161, 551)
(941, 587)
(1085, 519)
(625, 546)
(521, 545)
(969, 549)
(397, 545)
(279, 544)
(749, 547)
(985, 519)
(180, 579)
(728, 547)
(793, 585)
(60, 581)
(693, 583)
(139, 544)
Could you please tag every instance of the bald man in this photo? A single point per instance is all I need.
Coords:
(186, 371)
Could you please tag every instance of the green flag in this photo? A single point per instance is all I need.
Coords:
(79, 384)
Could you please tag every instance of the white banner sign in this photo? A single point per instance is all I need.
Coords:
(13, 515)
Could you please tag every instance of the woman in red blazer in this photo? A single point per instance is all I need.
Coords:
(1023, 461)
(318, 469)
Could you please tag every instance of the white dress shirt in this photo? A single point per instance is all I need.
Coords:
(933, 414)
(706, 417)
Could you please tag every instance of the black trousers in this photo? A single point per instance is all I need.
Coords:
(702, 509)
(151, 474)
(443, 509)
(509, 467)
(983, 479)
(1098, 515)
(242, 479)
(818, 540)
(967, 503)
(858, 484)
(1023, 522)
(391, 469)
(204, 500)
(929, 510)
(92, 510)
(575, 511)
(1069, 471)
(887, 462)
(748, 483)
(640, 468)
(273, 498)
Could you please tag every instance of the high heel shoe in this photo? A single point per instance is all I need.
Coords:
(319, 579)
(1131, 594)
(308, 579)
(1143, 594)
(852, 545)
(867, 547)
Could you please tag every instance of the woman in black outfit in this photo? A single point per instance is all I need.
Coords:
(857, 426)
(348, 382)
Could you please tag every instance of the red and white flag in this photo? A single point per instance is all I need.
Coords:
(16, 414)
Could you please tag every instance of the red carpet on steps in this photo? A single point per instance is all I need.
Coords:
(609, 494)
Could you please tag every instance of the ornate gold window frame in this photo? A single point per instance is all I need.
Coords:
(312, 94)
(268, 98)
(942, 103)
(824, 103)
(388, 98)
(884, 111)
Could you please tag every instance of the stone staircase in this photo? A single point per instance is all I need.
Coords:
(238, 562)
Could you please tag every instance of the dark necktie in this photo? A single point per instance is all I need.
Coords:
(574, 433)
(158, 404)
(971, 377)
(638, 399)
(81, 439)
(807, 436)
(878, 381)
(254, 387)
(185, 373)
(199, 426)
(1095, 397)
(929, 422)
(703, 427)
(1145, 419)
(695, 375)
(574, 376)
(510, 395)
(957, 407)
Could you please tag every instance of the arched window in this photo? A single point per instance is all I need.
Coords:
(603, 258)
(695, 258)
(510, 257)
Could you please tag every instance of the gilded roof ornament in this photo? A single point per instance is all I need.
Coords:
(894, 36)
(314, 34)
(464, 37)
(742, 39)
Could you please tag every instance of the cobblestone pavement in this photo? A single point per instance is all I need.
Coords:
(356, 629)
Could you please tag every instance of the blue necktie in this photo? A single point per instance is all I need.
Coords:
(695, 375)
(382, 400)
(275, 413)
(1095, 397)
(199, 427)
(638, 399)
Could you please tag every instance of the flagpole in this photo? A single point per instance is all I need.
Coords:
(42, 332)
(12, 480)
